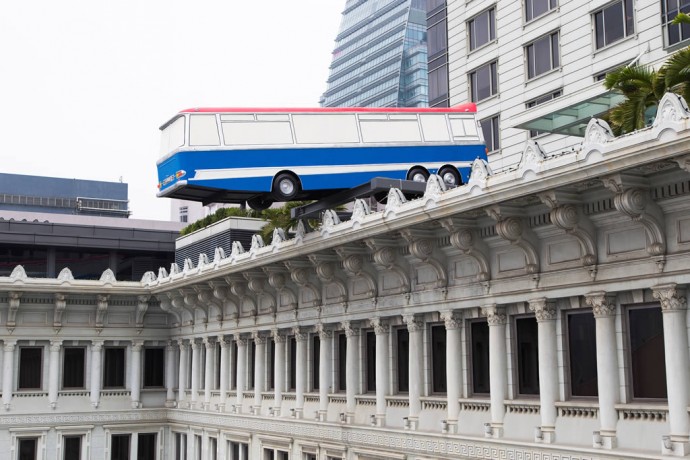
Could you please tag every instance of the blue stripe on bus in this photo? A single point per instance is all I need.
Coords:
(190, 161)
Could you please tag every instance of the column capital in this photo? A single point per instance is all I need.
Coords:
(350, 330)
(603, 304)
(9, 345)
(182, 344)
(543, 308)
(209, 343)
(241, 342)
(495, 315)
(277, 336)
(224, 342)
(137, 345)
(452, 320)
(194, 344)
(380, 326)
(324, 331)
(413, 323)
(97, 345)
(669, 298)
(259, 339)
(55, 345)
(300, 333)
(170, 345)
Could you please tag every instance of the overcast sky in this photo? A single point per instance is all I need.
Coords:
(85, 84)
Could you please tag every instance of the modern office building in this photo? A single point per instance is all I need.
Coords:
(380, 56)
(535, 68)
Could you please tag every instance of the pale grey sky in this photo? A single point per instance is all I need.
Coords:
(86, 83)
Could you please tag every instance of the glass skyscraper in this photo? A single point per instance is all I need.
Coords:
(380, 57)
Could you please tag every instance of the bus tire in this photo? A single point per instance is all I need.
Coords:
(285, 187)
(259, 203)
(451, 176)
(418, 174)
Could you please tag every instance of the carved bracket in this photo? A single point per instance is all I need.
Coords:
(510, 228)
(60, 305)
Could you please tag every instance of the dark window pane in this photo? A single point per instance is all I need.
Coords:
(154, 367)
(119, 447)
(371, 360)
(235, 354)
(599, 28)
(438, 358)
(293, 364)
(527, 355)
(629, 18)
(555, 52)
(272, 364)
(342, 362)
(251, 364)
(72, 447)
(28, 448)
(403, 348)
(30, 363)
(480, 357)
(316, 360)
(613, 17)
(542, 55)
(73, 367)
(146, 446)
(647, 356)
(114, 368)
(582, 351)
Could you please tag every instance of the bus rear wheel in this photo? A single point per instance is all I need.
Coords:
(259, 203)
(418, 174)
(451, 176)
(285, 187)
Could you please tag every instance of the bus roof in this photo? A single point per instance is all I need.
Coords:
(462, 108)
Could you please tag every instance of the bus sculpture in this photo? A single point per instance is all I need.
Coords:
(261, 156)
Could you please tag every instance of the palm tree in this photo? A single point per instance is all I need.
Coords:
(642, 89)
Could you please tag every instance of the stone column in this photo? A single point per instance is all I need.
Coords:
(325, 381)
(352, 368)
(8, 372)
(209, 360)
(259, 370)
(545, 312)
(135, 368)
(54, 372)
(301, 372)
(381, 331)
(182, 377)
(196, 371)
(498, 372)
(608, 384)
(674, 308)
(241, 371)
(279, 366)
(415, 365)
(453, 322)
(96, 372)
(170, 374)
(224, 372)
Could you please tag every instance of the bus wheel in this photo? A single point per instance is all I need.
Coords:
(285, 187)
(259, 203)
(418, 174)
(451, 176)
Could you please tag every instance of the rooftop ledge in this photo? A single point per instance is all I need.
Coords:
(599, 155)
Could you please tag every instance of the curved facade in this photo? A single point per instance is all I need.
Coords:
(534, 313)
(380, 56)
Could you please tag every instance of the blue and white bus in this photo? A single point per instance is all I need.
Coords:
(233, 155)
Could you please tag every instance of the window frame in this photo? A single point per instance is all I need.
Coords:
(567, 347)
(533, 18)
(495, 133)
(64, 373)
(433, 364)
(471, 360)
(401, 359)
(105, 385)
(626, 32)
(144, 384)
(517, 360)
(491, 26)
(629, 357)
(552, 66)
(493, 82)
(666, 25)
(41, 363)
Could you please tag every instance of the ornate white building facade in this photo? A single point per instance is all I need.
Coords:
(532, 313)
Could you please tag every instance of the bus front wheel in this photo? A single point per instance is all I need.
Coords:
(418, 174)
(451, 176)
(259, 203)
(285, 187)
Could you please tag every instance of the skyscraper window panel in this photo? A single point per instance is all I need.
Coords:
(483, 82)
(491, 133)
(536, 8)
(482, 29)
(669, 10)
(614, 23)
(437, 37)
(543, 55)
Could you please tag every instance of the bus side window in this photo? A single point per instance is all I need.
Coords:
(375, 131)
(335, 128)
(203, 130)
(257, 133)
(434, 127)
